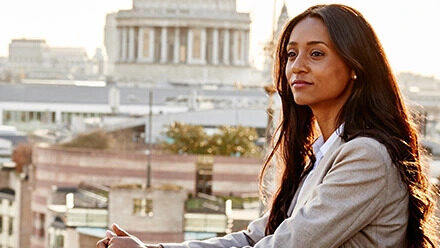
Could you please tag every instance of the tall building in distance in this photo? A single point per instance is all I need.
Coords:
(35, 59)
(188, 42)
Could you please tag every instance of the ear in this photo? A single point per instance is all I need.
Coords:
(119, 231)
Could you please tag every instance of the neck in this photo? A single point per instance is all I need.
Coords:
(327, 126)
(327, 120)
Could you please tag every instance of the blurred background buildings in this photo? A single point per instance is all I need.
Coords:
(82, 138)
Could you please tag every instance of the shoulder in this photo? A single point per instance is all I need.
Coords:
(365, 147)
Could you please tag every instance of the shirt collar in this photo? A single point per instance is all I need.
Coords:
(320, 145)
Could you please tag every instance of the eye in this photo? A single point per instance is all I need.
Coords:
(316, 53)
(291, 54)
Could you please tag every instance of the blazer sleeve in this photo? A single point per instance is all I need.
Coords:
(349, 197)
(247, 238)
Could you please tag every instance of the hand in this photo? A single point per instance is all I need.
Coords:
(122, 239)
(103, 243)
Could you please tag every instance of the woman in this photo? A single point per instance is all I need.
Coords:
(360, 183)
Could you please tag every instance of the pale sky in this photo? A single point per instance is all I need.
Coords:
(409, 30)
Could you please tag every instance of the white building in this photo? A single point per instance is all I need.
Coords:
(15, 213)
(184, 42)
(31, 58)
(31, 106)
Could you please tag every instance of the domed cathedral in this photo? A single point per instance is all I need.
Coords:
(180, 42)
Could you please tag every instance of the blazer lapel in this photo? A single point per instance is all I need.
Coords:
(315, 179)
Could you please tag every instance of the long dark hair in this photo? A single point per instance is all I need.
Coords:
(374, 109)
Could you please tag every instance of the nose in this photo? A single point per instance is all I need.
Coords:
(298, 65)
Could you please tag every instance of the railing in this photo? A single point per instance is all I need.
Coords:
(87, 217)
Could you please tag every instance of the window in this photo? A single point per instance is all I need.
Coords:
(143, 207)
(171, 33)
(157, 42)
(183, 45)
(7, 115)
(204, 175)
(39, 220)
(210, 45)
(59, 241)
(39, 116)
(22, 116)
(10, 226)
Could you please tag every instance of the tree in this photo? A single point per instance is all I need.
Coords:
(22, 156)
(183, 138)
(236, 141)
(229, 141)
(95, 140)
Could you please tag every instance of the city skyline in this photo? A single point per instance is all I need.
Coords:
(407, 29)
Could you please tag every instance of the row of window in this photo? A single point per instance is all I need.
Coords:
(26, 116)
(48, 117)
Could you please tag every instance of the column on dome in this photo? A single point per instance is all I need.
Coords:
(123, 44)
(226, 51)
(189, 46)
(176, 47)
(246, 47)
(242, 45)
(215, 47)
(163, 45)
(203, 45)
(131, 44)
(140, 44)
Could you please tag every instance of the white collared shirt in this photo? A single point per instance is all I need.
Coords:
(320, 147)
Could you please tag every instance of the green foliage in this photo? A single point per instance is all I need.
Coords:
(184, 138)
(230, 141)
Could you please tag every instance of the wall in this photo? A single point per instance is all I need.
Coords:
(166, 221)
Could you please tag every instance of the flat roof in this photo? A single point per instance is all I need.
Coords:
(129, 95)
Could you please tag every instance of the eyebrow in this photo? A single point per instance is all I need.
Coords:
(313, 42)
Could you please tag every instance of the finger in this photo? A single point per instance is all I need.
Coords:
(102, 243)
(116, 241)
(110, 234)
(119, 231)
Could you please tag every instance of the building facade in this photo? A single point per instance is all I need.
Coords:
(34, 58)
(200, 42)
(152, 215)
(31, 106)
(56, 167)
(15, 214)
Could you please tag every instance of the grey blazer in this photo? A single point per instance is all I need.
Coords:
(354, 198)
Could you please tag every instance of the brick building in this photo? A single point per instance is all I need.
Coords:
(67, 167)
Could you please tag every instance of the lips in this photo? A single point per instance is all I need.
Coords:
(300, 83)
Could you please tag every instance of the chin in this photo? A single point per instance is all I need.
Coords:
(301, 102)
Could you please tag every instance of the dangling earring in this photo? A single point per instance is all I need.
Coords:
(354, 77)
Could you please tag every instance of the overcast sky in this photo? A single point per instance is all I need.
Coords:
(409, 30)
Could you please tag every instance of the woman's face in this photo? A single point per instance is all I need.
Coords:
(317, 74)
